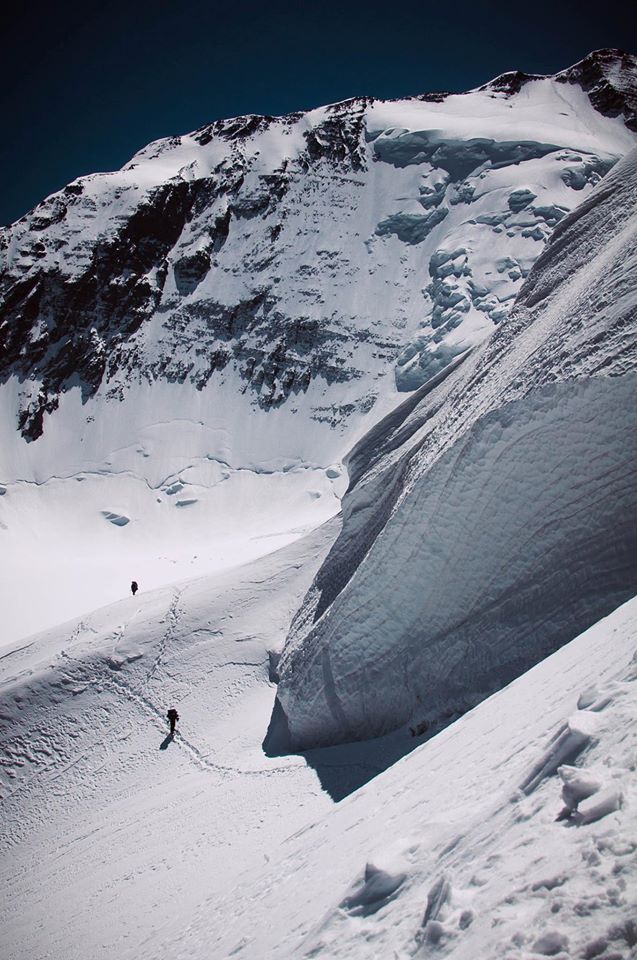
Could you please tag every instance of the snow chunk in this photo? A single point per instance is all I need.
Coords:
(599, 806)
(373, 891)
(569, 741)
(551, 943)
(117, 519)
(578, 785)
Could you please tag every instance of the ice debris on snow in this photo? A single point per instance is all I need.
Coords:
(376, 887)
(117, 519)
(565, 746)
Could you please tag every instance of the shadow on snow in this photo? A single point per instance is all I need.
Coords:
(343, 768)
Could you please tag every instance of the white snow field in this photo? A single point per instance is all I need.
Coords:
(493, 516)
(512, 834)
(108, 830)
(119, 843)
(156, 489)
(194, 342)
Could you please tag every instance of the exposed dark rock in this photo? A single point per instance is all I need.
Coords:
(73, 326)
(31, 418)
(438, 96)
(510, 83)
(608, 77)
(238, 128)
(190, 271)
(339, 138)
(219, 231)
(49, 212)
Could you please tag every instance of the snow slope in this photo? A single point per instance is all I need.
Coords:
(192, 343)
(117, 842)
(494, 515)
(107, 829)
(512, 834)
(159, 492)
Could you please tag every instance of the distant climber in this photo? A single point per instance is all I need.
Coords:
(134, 587)
(173, 717)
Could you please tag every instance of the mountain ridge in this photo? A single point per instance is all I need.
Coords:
(131, 271)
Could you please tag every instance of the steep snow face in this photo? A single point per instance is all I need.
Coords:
(510, 835)
(494, 514)
(189, 346)
(322, 246)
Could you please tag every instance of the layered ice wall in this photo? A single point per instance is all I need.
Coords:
(494, 515)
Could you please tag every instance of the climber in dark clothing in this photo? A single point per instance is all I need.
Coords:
(134, 587)
(173, 717)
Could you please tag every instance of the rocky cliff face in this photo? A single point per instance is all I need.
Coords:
(353, 242)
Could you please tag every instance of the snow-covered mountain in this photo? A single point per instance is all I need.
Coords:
(492, 516)
(300, 247)
(198, 338)
(158, 420)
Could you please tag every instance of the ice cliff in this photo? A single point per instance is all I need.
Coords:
(492, 516)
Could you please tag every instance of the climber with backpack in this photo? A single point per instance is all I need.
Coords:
(173, 717)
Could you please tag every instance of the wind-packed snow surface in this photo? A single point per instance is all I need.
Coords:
(171, 422)
(494, 515)
(190, 345)
(512, 835)
(109, 829)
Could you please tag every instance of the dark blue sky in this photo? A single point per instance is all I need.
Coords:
(84, 85)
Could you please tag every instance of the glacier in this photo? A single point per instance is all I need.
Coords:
(493, 518)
